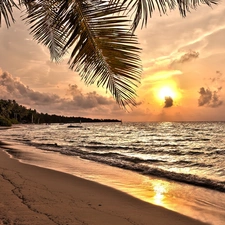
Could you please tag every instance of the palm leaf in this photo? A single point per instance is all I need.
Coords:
(103, 49)
(42, 17)
(143, 9)
(6, 9)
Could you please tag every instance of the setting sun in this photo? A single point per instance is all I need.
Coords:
(166, 92)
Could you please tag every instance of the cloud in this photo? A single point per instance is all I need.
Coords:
(13, 88)
(163, 68)
(216, 78)
(168, 102)
(209, 98)
(161, 75)
(185, 58)
(89, 100)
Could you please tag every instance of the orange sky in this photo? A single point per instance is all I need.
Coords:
(186, 57)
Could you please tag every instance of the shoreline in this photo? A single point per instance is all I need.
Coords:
(35, 195)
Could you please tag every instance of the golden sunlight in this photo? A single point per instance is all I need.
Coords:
(166, 91)
(160, 190)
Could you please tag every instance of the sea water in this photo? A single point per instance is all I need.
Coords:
(178, 165)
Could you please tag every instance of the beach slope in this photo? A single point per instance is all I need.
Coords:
(34, 195)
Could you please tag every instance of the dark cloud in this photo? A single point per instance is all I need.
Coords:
(209, 98)
(168, 102)
(187, 57)
(217, 78)
(88, 100)
(218, 72)
(13, 88)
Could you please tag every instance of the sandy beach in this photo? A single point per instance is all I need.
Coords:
(34, 195)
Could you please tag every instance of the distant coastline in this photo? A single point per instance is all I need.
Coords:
(13, 113)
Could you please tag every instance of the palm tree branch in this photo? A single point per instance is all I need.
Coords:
(103, 49)
(6, 9)
(143, 9)
(42, 17)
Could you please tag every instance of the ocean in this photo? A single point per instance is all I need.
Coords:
(188, 155)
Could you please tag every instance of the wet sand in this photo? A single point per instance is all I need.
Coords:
(35, 195)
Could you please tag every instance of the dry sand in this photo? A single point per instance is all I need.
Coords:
(34, 196)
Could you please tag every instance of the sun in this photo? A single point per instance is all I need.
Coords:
(166, 91)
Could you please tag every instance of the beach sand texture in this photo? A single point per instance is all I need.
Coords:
(31, 195)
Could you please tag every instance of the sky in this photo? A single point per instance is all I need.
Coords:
(183, 76)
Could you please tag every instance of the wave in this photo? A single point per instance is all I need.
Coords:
(96, 151)
(217, 152)
(188, 178)
(147, 170)
(180, 177)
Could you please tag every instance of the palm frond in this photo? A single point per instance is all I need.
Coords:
(143, 9)
(6, 9)
(27, 3)
(103, 49)
(42, 17)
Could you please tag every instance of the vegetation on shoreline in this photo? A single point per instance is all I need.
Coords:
(5, 122)
(12, 113)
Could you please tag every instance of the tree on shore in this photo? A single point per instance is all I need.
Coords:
(97, 33)
(12, 113)
(5, 122)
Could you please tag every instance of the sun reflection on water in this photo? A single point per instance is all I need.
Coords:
(159, 194)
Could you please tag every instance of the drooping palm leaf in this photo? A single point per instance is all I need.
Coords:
(143, 9)
(103, 49)
(6, 9)
(42, 16)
